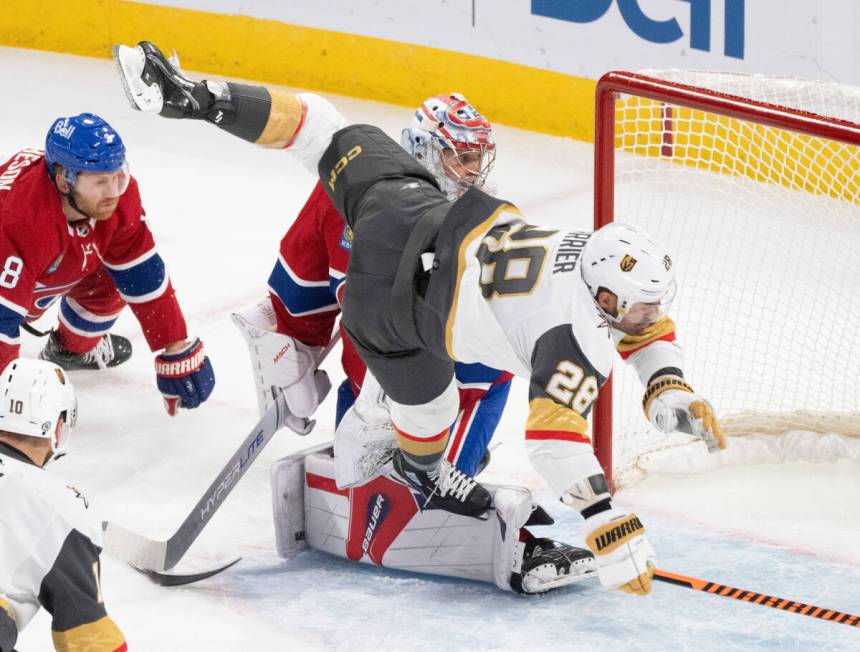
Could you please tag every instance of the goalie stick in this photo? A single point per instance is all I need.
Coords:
(758, 598)
(154, 558)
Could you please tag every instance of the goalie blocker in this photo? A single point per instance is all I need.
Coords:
(380, 523)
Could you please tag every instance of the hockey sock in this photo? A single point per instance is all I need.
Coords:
(254, 113)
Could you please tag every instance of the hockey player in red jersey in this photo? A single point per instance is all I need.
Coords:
(49, 555)
(73, 230)
(430, 283)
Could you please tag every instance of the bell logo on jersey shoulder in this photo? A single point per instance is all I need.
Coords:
(341, 164)
(346, 238)
(628, 263)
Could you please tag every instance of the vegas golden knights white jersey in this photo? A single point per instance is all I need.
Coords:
(49, 557)
(519, 303)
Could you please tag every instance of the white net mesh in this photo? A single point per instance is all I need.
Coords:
(764, 225)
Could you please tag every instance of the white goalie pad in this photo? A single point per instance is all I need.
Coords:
(381, 523)
(287, 477)
(281, 364)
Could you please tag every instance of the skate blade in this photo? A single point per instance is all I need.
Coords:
(131, 62)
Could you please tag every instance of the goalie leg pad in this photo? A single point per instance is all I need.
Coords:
(287, 478)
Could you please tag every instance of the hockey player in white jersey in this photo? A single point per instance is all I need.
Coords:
(430, 283)
(49, 555)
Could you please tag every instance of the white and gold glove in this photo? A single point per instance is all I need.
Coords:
(670, 404)
(625, 559)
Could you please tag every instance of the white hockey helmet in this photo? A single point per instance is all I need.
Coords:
(34, 396)
(450, 122)
(630, 263)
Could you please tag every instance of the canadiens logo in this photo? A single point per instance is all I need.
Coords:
(628, 263)
(346, 238)
(82, 230)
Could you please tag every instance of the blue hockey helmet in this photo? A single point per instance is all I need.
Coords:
(83, 143)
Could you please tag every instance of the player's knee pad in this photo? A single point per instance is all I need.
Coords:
(429, 419)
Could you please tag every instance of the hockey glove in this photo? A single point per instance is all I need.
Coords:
(670, 404)
(185, 379)
(625, 559)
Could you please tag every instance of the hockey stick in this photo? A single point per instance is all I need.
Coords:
(155, 557)
(758, 598)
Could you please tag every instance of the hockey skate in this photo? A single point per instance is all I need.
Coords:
(154, 83)
(549, 564)
(111, 351)
(443, 487)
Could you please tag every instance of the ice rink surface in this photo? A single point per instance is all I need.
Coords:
(218, 208)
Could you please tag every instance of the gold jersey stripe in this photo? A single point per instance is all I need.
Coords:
(285, 117)
(546, 414)
(101, 636)
(475, 233)
(655, 331)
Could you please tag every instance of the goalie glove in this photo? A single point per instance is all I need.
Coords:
(625, 559)
(670, 404)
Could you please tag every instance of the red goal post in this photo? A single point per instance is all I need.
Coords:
(658, 107)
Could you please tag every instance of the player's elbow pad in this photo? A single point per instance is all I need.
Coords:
(320, 121)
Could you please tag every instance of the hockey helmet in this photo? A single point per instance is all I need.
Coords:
(450, 122)
(85, 143)
(34, 396)
(630, 263)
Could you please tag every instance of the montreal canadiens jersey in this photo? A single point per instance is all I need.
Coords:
(43, 256)
(49, 557)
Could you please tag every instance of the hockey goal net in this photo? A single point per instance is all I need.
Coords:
(753, 183)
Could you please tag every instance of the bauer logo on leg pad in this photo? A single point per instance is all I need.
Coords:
(614, 534)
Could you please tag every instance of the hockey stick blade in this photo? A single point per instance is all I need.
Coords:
(160, 556)
(180, 579)
(758, 598)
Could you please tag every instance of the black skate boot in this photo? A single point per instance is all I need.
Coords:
(444, 487)
(111, 350)
(153, 83)
(549, 564)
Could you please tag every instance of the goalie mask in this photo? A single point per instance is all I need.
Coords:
(35, 396)
(451, 139)
(631, 264)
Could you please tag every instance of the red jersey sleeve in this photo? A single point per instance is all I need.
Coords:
(140, 275)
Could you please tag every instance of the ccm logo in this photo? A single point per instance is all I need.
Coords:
(341, 164)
